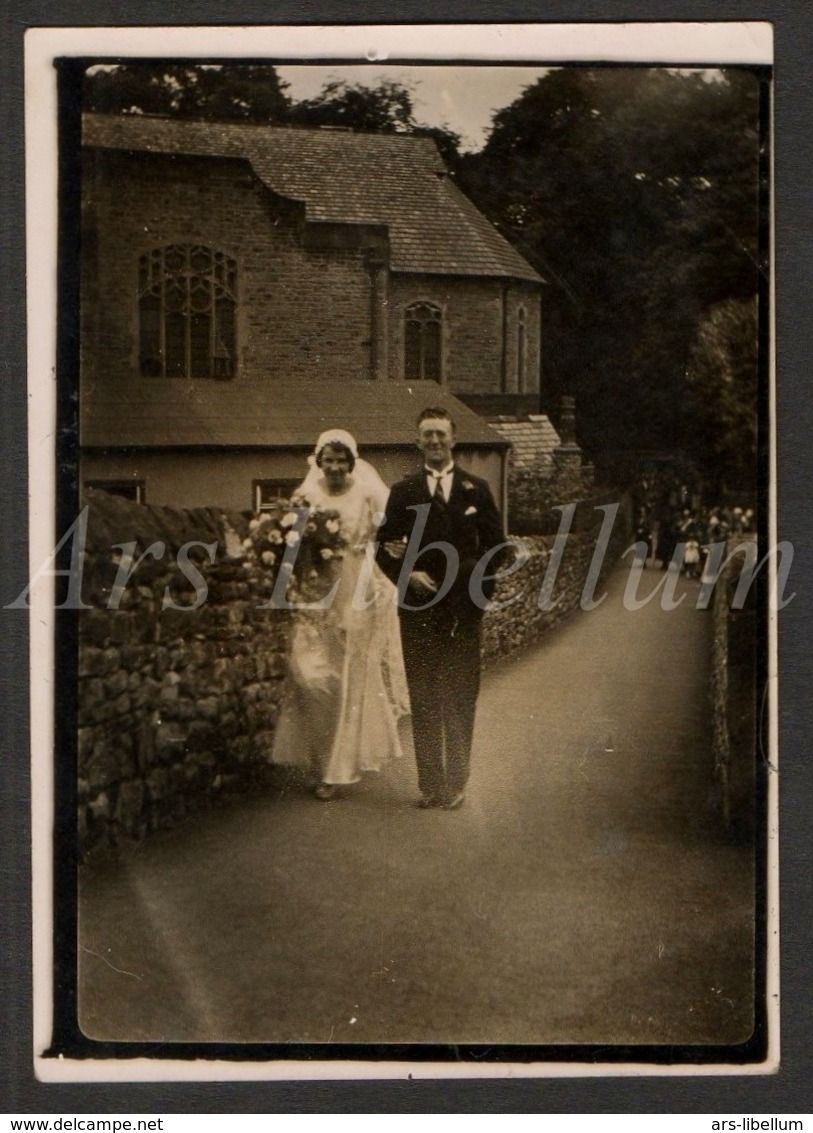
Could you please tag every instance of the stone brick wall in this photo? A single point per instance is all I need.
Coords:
(733, 701)
(175, 705)
(301, 312)
(178, 706)
(536, 491)
(521, 620)
(304, 307)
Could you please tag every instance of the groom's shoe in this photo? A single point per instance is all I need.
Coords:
(429, 800)
(454, 802)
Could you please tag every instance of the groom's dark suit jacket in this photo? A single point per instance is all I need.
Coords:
(469, 522)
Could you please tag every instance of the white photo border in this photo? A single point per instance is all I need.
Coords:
(683, 44)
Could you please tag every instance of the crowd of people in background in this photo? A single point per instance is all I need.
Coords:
(677, 526)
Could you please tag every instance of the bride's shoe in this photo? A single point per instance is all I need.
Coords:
(325, 791)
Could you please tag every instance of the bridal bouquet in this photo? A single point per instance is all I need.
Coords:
(305, 540)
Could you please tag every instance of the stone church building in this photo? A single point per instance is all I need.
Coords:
(244, 287)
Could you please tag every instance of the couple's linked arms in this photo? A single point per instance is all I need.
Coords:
(393, 535)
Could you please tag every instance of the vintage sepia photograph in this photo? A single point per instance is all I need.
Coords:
(415, 556)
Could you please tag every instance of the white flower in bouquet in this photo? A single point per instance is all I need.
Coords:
(289, 519)
(268, 557)
(332, 525)
(326, 553)
(292, 538)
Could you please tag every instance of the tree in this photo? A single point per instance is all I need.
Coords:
(723, 385)
(634, 191)
(243, 91)
(386, 108)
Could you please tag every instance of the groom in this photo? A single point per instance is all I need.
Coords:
(441, 540)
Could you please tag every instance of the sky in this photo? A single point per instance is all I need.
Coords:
(462, 98)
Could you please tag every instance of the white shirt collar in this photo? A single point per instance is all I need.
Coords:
(447, 471)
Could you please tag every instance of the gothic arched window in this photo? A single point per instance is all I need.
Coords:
(422, 342)
(187, 300)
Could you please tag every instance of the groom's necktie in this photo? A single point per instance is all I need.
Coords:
(438, 498)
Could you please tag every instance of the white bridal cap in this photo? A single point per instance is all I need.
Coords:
(339, 437)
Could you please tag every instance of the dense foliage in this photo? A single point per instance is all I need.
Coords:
(244, 91)
(723, 392)
(635, 194)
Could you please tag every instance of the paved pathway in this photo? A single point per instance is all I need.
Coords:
(585, 893)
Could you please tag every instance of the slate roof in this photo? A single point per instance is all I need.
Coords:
(532, 439)
(343, 177)
(173, 413)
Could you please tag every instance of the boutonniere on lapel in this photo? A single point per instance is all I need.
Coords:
(467, 486)
(470, 511)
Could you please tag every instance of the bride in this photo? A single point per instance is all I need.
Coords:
(346, 687)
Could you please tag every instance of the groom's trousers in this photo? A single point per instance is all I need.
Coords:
(442, 662)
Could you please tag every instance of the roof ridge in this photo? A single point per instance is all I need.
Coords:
(280, 127)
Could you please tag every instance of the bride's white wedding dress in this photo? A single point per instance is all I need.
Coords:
(346, 686)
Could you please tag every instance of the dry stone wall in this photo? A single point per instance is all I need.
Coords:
(733, 696)
(175, 705)
(521, 614)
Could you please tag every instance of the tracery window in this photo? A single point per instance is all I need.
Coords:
(423, 342)
(187, 301)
